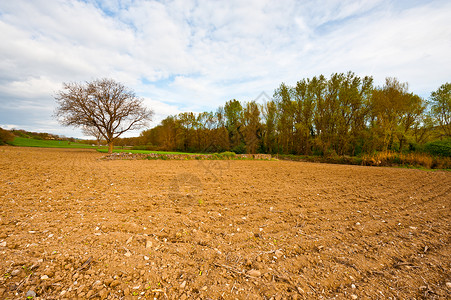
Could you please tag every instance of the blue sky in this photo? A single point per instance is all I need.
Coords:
(187, 55)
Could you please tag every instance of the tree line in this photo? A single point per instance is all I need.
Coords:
(341, 115)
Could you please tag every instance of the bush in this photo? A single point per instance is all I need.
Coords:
(227, 155)
(6, 136)
(239, 149)
(439, 148)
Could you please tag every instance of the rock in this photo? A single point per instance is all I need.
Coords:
(89, 294)
(3, 244)
(354, 297)
(353, 286)
(146, 257)
(97, 282)
(108, 281)
(31, 294)
(448, 285)
(128, 254)
(148, 244)
(278, 253)
(183, 285)
(103, 294)
(44, 277)
(127, 291)
(15, 272)
(130, 239)
(115, 283)
(254, 273)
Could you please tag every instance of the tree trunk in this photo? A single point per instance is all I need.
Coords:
(110, 147)
(401, 144)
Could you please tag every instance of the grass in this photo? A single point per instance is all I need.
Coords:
(417, 160)
(165, 155)
(26, 142)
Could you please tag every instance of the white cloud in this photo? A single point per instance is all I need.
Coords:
(190, 55)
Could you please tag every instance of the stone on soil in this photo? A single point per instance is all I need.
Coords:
(31, 294)
(254, 273)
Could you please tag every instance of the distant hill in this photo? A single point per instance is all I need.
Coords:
(40, 135)
(31, 142)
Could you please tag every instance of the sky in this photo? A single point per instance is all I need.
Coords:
(187, 55)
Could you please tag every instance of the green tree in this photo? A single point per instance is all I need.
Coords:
(304, 108)
(394, 112)
(318, 89)
(233, 112)
(269, 126)
(168, 133)
(252, 126)
(441, 107)
(354, 96)
(285, 124)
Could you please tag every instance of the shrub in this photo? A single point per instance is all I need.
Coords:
(6, 136)
(439, 148)
(227, 155)
(239, 149)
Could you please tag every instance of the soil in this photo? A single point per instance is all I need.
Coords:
(75, 226)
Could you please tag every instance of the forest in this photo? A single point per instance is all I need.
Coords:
(340, 115)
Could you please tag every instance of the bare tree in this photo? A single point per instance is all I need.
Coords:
(103, 104)
(92, 131)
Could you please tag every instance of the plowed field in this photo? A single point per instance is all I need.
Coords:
(75, 226)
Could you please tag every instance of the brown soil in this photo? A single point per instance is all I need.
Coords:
(73, 225)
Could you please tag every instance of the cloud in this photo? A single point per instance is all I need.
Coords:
(187, 55)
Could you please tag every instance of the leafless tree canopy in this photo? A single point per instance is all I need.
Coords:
(104, 104)
(92, 131)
